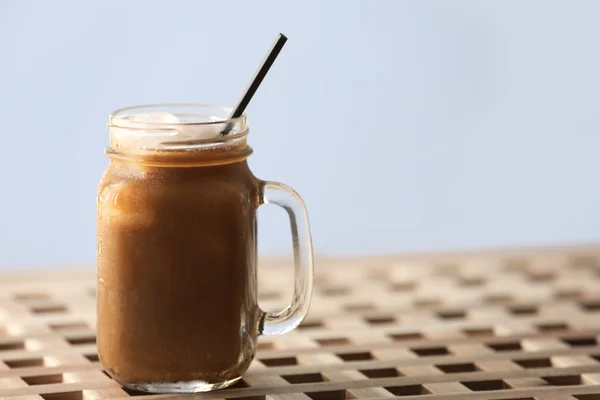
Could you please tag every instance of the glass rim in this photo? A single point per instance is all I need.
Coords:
(119, 115)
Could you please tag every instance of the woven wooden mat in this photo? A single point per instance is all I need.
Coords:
(520, 324)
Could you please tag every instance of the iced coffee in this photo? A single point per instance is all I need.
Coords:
(176, 229)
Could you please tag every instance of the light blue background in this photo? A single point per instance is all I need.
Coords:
(405, 125)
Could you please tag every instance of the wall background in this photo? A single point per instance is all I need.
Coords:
(404, 125)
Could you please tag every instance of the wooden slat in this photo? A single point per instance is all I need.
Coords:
(508, 324)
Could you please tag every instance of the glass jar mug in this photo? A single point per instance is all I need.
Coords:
(176, 242)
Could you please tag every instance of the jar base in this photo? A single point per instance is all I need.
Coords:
(180, 387)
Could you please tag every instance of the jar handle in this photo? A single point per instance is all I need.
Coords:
(278, 323)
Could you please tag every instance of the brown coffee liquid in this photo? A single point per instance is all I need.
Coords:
(176, 264)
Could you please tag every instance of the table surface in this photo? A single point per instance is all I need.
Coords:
(513, 324)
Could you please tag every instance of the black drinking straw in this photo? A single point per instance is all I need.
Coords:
(259, 75)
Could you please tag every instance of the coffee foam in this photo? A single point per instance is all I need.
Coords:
(151, 130)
